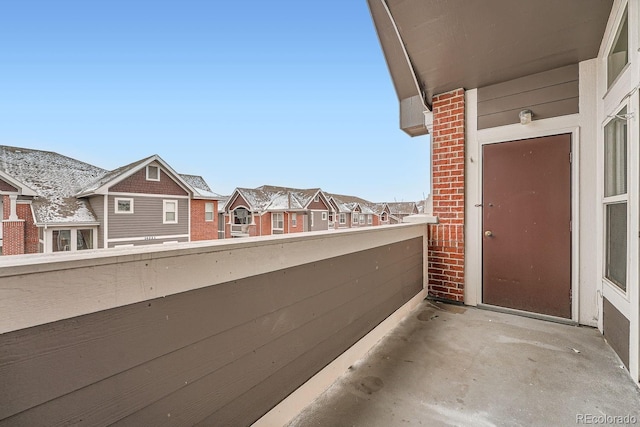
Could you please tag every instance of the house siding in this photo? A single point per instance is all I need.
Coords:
(137, 183)
(318, 223)
(5, 186)
(548, 94)
(446, 239)
(218, 355)
(97, 205)
(146, 221)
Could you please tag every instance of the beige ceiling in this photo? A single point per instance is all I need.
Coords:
(475, 43)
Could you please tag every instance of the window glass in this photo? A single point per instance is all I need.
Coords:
(124, 205)
(170, 211)
(153, 173)
(618, 56)
(294, 219)
(616, 244)
(84, 239)
(615, 156)
(208, 211)
(278, 221)
(61, 240)
(343, 218)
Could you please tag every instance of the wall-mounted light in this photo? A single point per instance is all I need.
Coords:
(525, 117)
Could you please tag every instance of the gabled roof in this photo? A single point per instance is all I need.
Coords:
(347, 204)
(200, 187)
(101, 186)
(54, 180)
(402, 208)
(273, 198)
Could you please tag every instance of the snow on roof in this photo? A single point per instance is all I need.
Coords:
(111, 175)
(272, 198)
(349, 203)
(56, 179)
(402, 207)
(200, 186)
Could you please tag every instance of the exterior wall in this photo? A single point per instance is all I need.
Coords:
(5, 186)
(265, 224)
(318, 223)
(13, 237)
(446, 239)
(21, 236)
(31, 240)
(137, 183)
(97, 204)
(548, 94)
(201, 229)
(206, 343)
(320, 205)
(146, 220)
(616, 330)
(299, 227)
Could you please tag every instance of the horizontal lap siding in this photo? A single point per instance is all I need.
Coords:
(146, 219)
(97, 204)
(548, 94)
(222, 355)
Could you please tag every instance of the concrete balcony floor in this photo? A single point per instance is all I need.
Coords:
(447, 365)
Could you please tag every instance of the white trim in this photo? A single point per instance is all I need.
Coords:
(115, 205)
(205, 212)
(105, 210)
(165, 211)
(475, 140)
(146, 238)
(157, 196)
(281, 220)
(147, 172)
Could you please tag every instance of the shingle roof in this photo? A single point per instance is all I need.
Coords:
(56, 179)
(200, 186)
(400, 208)
(273, 198)
(349, 203)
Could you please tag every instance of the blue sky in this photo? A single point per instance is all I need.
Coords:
(290, 93)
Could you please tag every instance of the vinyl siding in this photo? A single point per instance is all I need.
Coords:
(97, 204)
(548, 94)
(147, 219)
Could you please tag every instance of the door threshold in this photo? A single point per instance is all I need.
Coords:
(529, 314)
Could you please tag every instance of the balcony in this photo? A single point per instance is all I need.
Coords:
(251, 330)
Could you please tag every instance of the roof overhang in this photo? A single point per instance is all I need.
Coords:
(23, 190)
(435, 46)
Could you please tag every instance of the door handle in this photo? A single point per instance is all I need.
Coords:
(488, 233)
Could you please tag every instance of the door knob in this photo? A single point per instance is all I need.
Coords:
(488, 233)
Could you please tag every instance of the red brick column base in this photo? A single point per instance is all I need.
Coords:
(13, 237)
(446, 239)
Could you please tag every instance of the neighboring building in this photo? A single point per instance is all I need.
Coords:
(398, 210)
(270, 210)
(353, 212)
(532, 108)
(53, 203)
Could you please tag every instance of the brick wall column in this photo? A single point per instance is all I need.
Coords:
(13, 237)
(446, 239)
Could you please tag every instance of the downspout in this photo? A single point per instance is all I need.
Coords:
(406, 57)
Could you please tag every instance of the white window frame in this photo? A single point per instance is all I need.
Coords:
(354, 217)
(324, 216)
(311, 215)
(117, 200)
(342, 218)
(294, 219)
(165, 211)
(208, 205)
(361, 218)
(279, 215)
(149, 178)
(73, 238)
(369, 219)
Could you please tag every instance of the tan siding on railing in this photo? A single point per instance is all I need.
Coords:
(146, 219)
(548, 94)
(220, 355)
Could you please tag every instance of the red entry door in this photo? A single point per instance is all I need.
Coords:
(526, 246)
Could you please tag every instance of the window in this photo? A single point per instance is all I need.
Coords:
(170, 212)
(61, 240)
(294, 219)
(277, 219)
(123, 205)
(615, 200)
(618, 56)
(361, 218)
(354, 218)
(324, 216)
(342, 218)
(84, 239)
(241, 216)
(316, 198)
(383, 217)
(153, 173)
(330, 216)
(369, 219)
(208, 211)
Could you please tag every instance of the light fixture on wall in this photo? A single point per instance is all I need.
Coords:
(525, 117)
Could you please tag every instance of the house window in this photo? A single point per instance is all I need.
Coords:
(369, 219)
(330, 216)
(294, 219)
(361, 218)
(84, 239)
(342, 218)
(153, 173)
(324, 216)
(123, 205)
(277, 219)
(241, 216)
(316, 198)
(170, 212)
(354, 218)
(383, 217)
(618, 56)
(61, 240)
(208, 211)
(615, 200)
